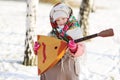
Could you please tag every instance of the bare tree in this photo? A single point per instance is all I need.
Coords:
(62, 0)
(29, 57)
(85, 9)
(92, 5)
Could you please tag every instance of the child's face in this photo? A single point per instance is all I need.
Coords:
(61, 21)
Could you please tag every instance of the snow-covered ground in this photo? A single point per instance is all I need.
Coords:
(102, 58)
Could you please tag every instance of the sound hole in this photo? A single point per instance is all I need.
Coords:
(56, 47)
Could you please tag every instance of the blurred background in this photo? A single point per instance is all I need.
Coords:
(102, 58)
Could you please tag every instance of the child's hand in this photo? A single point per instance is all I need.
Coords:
(36, 47)
(72, 46)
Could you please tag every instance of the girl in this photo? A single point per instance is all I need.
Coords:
(65, 27)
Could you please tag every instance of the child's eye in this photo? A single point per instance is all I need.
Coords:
(63, 18)
(57, 20)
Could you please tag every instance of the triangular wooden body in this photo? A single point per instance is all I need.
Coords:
(50, 52)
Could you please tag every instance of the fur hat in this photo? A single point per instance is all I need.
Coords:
(60, 10)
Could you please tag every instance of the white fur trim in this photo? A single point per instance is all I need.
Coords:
(75, 33)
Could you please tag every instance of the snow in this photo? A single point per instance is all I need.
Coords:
(102, 58)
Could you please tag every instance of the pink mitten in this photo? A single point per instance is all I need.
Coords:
(36, 47)
(72, 46)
